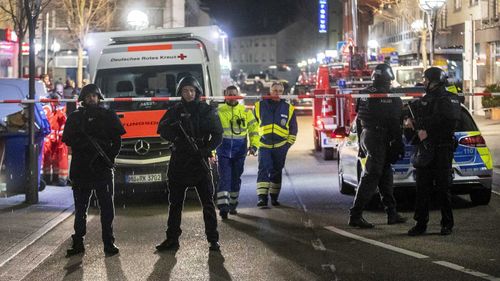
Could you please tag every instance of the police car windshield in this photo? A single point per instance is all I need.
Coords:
(146, 81)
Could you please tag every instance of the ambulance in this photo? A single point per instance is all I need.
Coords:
(150, 63)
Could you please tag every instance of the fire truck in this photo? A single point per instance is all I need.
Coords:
(150, 63)
(331, 115)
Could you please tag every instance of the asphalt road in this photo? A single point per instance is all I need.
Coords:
(307, 238)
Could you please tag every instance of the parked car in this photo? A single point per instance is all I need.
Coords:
(472, 165)
(261, 83)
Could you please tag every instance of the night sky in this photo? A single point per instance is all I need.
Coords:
(252, 17)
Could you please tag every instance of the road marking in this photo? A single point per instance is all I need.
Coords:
(412, 254)
(496, 192)
(318, 245)
(376, 243)
(19, 247)
(466, 270)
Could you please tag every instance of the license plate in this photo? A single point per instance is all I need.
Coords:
(143, 178)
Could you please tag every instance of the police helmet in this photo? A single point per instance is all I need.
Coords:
(189, 81)
(382, 73)
(90, 89)
(435, 74)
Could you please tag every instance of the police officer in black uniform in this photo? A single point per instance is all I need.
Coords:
(86, 128)
(380, 141)
(437, 116)
(201, 122)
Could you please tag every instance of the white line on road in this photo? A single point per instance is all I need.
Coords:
(412, 254)
(376, 243)
(497, 193)
(466, 270)
(14, 251)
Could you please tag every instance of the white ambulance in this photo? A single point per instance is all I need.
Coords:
(150, 63)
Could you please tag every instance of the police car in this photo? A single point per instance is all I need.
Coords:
(472, 163)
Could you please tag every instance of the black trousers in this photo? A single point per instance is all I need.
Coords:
(104, 192)
(437, 175)
(377, 173)
(177, 194)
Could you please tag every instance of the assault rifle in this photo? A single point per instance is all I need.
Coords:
(194, 146)
(99, 150)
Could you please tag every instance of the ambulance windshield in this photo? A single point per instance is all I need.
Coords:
(144, 81)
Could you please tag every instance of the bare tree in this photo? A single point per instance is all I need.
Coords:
(15, 11)
(84, 16)
(409, 12)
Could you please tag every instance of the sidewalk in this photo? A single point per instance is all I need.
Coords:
(22, 224)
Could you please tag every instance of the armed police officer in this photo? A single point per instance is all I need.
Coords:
(436, 116)
(94, 135)
(380, 141)
(195, 130)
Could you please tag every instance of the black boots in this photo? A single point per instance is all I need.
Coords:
(168, 245)
(262, 201)
(418, 229)
(395, 218)
(214, 246)
(76, 248)
(274, 200)
(110, 249)
(360, 222)
(223, 214)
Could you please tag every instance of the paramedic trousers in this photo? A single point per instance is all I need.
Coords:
(271, 163)
(104, 192)
(230, 171)
(377, 173)
(177, 193)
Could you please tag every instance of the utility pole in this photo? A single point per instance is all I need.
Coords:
(46, 60)
(32, 13)
(472, 54)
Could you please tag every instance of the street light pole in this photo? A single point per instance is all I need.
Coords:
(431, 8)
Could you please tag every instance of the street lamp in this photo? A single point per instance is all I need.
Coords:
(137, 19)
(431, 8)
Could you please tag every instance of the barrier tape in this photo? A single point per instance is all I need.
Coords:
(222, 98)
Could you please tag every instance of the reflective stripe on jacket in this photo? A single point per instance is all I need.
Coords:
(238, 123)
(277, 123)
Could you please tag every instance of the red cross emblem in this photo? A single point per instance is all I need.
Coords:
(182, 56)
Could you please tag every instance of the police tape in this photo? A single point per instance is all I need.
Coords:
(258, 97)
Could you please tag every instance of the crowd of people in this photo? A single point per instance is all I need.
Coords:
(202, 135)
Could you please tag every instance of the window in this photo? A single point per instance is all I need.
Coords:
(473, 2)
(458, 5)
(144, 81)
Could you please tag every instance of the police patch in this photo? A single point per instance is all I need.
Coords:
(283, 122)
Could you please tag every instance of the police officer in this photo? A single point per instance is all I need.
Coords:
(436, 120)
(278, 132)
(238, 124)
(88, 128)
(187, 166)
(380, 141)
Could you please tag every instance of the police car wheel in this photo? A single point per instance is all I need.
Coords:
(480, 196)
(328, 153)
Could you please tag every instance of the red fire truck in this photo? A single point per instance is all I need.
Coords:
(331, 115)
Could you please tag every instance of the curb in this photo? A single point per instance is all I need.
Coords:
(32, 238)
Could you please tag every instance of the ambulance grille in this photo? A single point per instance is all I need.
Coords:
(144, 148)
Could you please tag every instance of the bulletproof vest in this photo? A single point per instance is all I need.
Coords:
(378, 110)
